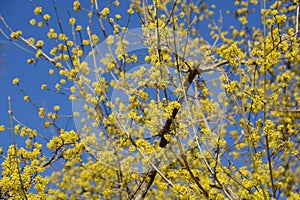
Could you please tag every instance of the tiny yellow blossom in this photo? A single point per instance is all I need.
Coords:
(243, 20)
(274, 12)
(76, 6)
(38, 53)
(95, 38)
(44, 87)
(130, 11)
(105, 12)
(118, 16)
(72, 20)
(30, 61)
(57, 86)
(46, 17)
(76, 114)
(26, 98)
(31, 41)
(62, 81)
(32, 22)
(181, 15)
(110, 40)
(51, 71)
(56, 108)
(16, 35)
(46, 124)
(78, 28)
(2, 128)
(37, 10)
(39, 43)
(62, 36)
(15, 81)
(70, 43)
(85, 42)
(72, 98)
(40, 24)
(41, 112)
(73, 89)
(58, 65)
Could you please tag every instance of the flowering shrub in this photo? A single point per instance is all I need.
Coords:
(175, 134)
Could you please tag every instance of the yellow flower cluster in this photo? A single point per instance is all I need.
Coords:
(52, 33)
(16, 35)
(37, 10)
(171, 107)
(105, 12)
(46, 17)
(76, 5)
(232, 53)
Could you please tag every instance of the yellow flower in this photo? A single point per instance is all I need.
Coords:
(15, 81)
(76, 114)
(57, 86)
(95, 38)
(58, 65)
(41, 112)
(62, 36)
(73, 89)
(44, 87)
(32, 22)
(78, 28)
(76, 6)
(37, 10)
(51, 71)
(85, 42)
(274, 12)
(46, 124)
(110, 40)
(46, 17)
(72, 20)
(56, 108)
(243, 20)
(16, 35)
(40, 24)
(53, 51)
(118, 16)
(30, 41)
(72, 97)
(39, 43)
(181, 15)
(30, 61)
(2, 128)
(26, 98)
(105, 12)
(62, 81)
(38, 53)
(130, 11)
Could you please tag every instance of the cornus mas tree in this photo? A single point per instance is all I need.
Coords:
(168, 103)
